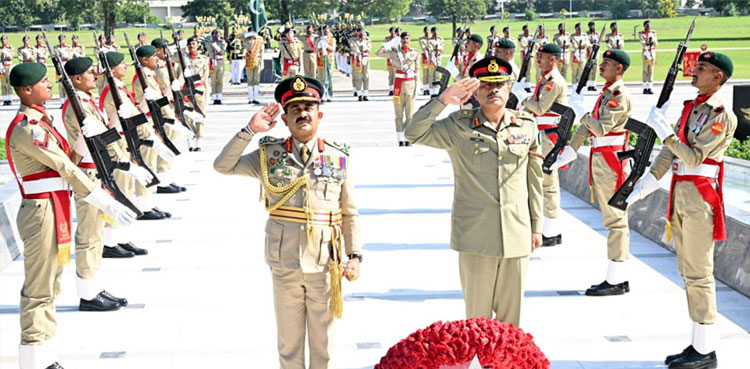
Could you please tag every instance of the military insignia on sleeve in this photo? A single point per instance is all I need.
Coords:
(616, 93)
(477, 123)
(33, 121)
(717, 127)
(549, 86)
(719, 110)
(268, 140)
(613, 103)
(343, 147)
(39, 138)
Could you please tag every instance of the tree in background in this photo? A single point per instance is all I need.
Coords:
(22, 13)
(457, 10)
(220, 10)
(666, 9)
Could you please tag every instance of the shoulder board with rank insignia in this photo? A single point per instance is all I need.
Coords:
(719, 109)
(269, 140)
(477, 123)
(616, 93)
(343, 147)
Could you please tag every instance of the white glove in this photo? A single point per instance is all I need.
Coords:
(658, 122)
(172, 49)
(176, 85)
(162, 149)
(183, 131)
(566, 156)
(194, 116)
(140, 174)
(645, 185)
(125, 111)
(106, 203)
(189, 71)
(2, 70)
(150, 94)
(576, 103)
(519, 91)
(91, 127)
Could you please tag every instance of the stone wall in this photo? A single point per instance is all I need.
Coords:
(10, 244)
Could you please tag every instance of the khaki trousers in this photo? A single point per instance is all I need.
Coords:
(615, 220)
(292, 71)
(356, 75)
(577, 72)
(321, 75)
(150, 156)
(493, 284)
(692, 230)
(405, 109)
(89, 233)
(253, 75)
(309, 62)
(427, 75)
(648, 70)
(217, 77)
(301, 305)
(7, 89)
(198, 126)
(163, 165)
(391, 76)
(364, 76)
(550, 184)
(593, 73)
(563, 66)
(41, 285)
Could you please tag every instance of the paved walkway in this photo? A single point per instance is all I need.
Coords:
(202, 297)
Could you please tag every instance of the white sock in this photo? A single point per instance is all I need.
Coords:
(550, 228)
(645, 85)
(256, 94)
(36, 356)
(616, 272)
(198, 142)
(220, 96)
(650, 85)
(250, 91)
(390, 88)
(88, 288)
(705, 338)
(108, 238)
(400, 136)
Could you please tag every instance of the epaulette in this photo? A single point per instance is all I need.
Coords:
(343, 147)
(719, 109)
(520, 114)
(267, 140)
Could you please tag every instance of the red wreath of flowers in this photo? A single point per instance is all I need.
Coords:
(498, 345)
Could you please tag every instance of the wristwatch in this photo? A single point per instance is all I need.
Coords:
(352, 256)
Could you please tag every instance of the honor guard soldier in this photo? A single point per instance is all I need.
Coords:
(497, 213)
(309, 56)
(694, 151)
(253, 46)
(472, 55)
(309, 193)
(505, 48)
(648, 43)
(291, 49)
(551, 88)
(438, 45)
(26, 53)
(524, 40)
(361, 64)
(41, 50)
(79, 51)
(39, 157)
(391, 75)
(428, 67)
(198, 65)
(562, 39)
(112, 43)
(216, 49)
(66, 53)
(506, 33)
(605, 127)
(142, 39)
(237, 56)
(405, 64)
(579, 46)
(6, 63)
(614, 39)
(491, 38)
(540, 41)
(91, 220)
(326, 47)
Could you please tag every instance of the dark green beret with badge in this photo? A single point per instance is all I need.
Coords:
(551, 48)
(27, 74)
(192, 38)
(491, 69)
(145, 51)
(505, 43)
(114, 58)
(77, 66)
(719, 60)
(298, 88)
(477, 38)
(159, 42)
(618, 55)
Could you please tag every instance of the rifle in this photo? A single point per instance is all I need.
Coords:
(590, 63)
(513, 99)
(490, 45)
(189, 80)
(154, 106)
(450, 68)
(97, 145)
(177, 96)
(129, 125)
(641, 153)
(564, 128)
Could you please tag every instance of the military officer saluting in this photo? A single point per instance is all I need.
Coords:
(497, 208)
(605, 126)
(579, 44)
(291, 49)
(562, 39)
(551, 88)
(648, 43)
(6, 63)
(39, 157)
(309, 193)
(694, 151)
(614, 39)
(404, 60)
(505, 48)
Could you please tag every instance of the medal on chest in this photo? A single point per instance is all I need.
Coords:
(701, 121)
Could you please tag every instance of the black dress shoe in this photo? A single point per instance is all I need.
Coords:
(360, 98)
(355, 93)
(166, 214)
(55, 366)
(133, 248)
(182, 189)
(151, 215)
(695, 360)
(327, 100)
(401, 143)
(197, 149)
(672, 358)
(116, 252)
(167, 189)
(407, 143)
(250, 102)
(390, 93)
(111, 297)
(365, 98)
(551, 241)
(606, 289)
(256, 102)
(650, 91)
(645, 91)
(425, 93)
(218, 102)
(191, 149)
(98, 303)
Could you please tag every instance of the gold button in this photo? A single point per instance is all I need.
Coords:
(476, 152)
(476, 145)
(499, 157)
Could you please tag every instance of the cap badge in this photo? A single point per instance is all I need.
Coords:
(299, 84)
(493, 67)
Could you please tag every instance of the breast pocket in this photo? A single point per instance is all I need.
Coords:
(327, 188)
(519, 151)
(274, 233)
(477, 152)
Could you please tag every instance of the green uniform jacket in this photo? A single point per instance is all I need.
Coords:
(497, 201)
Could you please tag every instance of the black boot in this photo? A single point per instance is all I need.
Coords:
(365, 98)
(360, 98)
(98, 303)
(645, 91)
(606, 289)
(695, 360)
(111, 297)
(166, 214)
(168, 189)
(551, 241)
(55, 366)
(116, 252)
(133, 248)
(672, 358)
(401, 143)
(151, 215)
(182, 189)
(407, 143)
(390, 93)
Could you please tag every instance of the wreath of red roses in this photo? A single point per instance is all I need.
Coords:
(498, 345)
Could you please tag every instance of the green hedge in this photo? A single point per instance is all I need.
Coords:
(2, 149)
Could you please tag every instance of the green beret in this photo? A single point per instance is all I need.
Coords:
(298, 88)
(505, 43)
(719, 60)
(551, 48)
(27, 74)
(77, 66)
(145, 51)
(477, 38)
(618, 55)
(192, 38)
(114, 58)
(159, 42)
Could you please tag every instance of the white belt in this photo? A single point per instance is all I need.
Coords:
(403, 75)
(547, 120)
(44, 185)
(608, 141)
(219, 57)
(703, 170)
(8, 62)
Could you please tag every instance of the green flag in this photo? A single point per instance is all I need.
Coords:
(258, 14)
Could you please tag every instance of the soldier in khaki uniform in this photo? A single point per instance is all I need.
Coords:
(309, 57)
(550, 89)
(539, 42)
(253, 46)
(26, 53)
(39, 156)
(428, 68)
(66, 53)
(79, 50)
(562, 39)
(199, 65)
(579, 44)
(593, 36)
(505, 48)
(524, 40)
(391, 75)
(472, 55)
(438, 45)
(91, 221)
(694, 151)
(6, 63)
(309, 193)
(40, 50)
(648, 44)
(614, 39)
(291, 49)
(216, 50)
(361, 64)
(497, 160)
(605, 126)
(405, 63)
(326, 47)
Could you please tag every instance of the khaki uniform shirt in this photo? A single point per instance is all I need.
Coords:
(152, 80)
(438, 46)
(65, 52)
(79, 51)
(593, 38)
(41, 54)
(614, 41)
(364, 46)
(614, 110)
(514, 70)
(286, 242)
(497, 202)
(199, 65)
(710, 128)
(253, 50)
(6, 59)
(648, 44)
(564, 42)
(551, 88)
(144, 130)
(75, 137)
(425, 47)
(293, 49)
(410, 58)
(467, 61)
(216, 49)
(306, 45)
(26, 54)
(579, 45)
